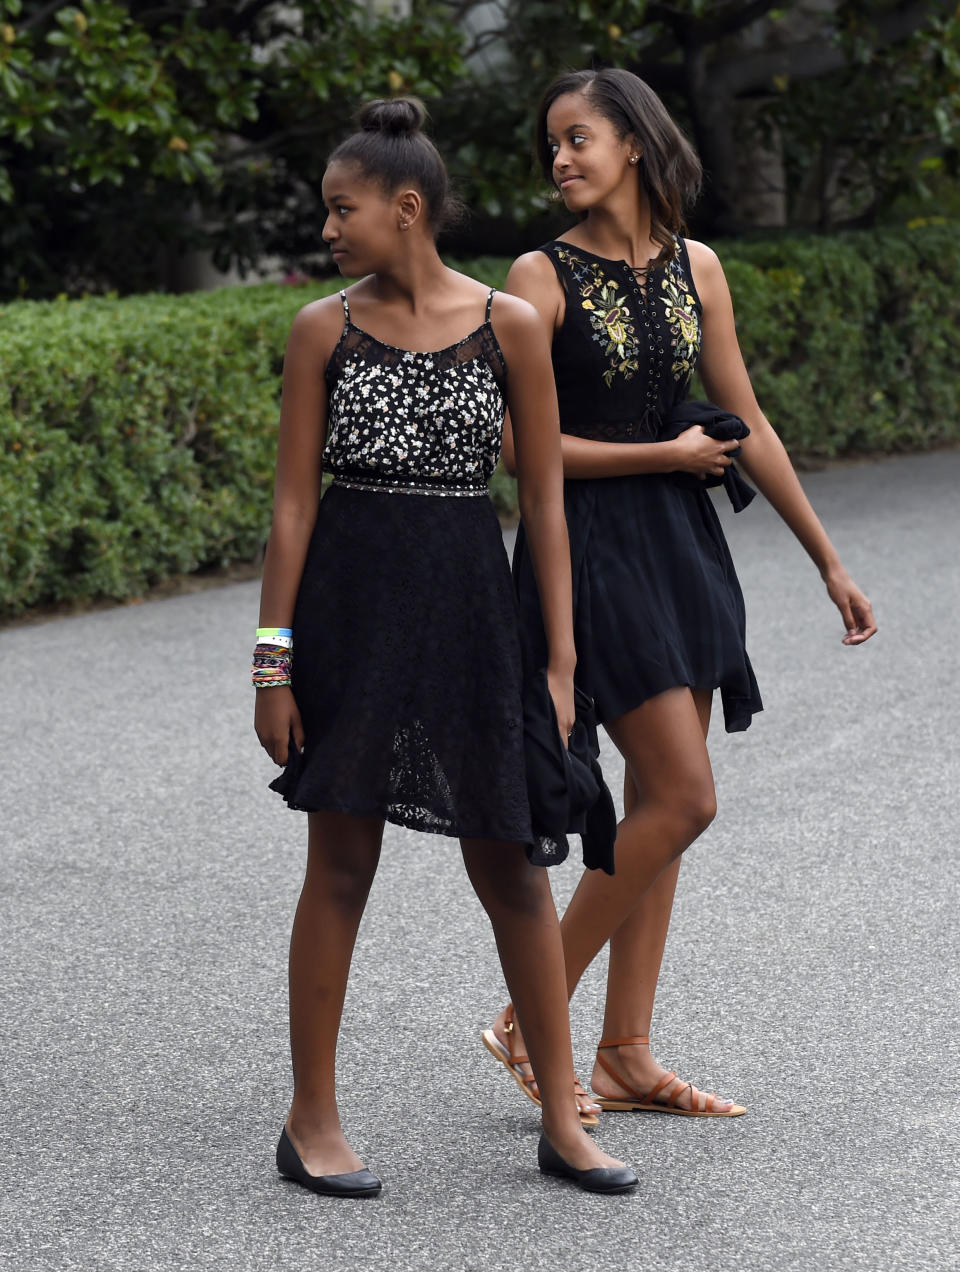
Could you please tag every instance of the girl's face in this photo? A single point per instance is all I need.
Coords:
(363, 224)
(590, 162)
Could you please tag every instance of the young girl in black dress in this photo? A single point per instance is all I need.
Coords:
(388, 662)
(632, 309)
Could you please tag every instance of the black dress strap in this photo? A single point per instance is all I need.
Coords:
(486, 316)
(346, 307)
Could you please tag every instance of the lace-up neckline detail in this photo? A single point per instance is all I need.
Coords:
(628, 344)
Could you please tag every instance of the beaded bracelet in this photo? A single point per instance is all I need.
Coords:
(272, 666)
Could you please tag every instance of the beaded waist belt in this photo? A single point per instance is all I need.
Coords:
(397, 484)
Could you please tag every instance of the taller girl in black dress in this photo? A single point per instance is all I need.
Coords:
(403, 698)
(632, 309)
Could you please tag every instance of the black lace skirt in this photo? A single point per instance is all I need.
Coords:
(657, 602)
(407, 668)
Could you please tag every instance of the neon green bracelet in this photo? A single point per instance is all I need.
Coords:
(281, 636)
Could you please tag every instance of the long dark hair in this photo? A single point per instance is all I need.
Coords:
(669, 171)
(392, 149)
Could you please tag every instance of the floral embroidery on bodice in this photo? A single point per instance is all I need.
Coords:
(682, 313)
(610, 318)
(625, 353)
(403, 420)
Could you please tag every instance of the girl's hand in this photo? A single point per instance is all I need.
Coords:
(275, 717)
(700, 454)
(856, 610)
(561, 691)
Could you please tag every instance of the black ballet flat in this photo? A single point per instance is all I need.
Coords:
(358, 1183)
(601, 1179)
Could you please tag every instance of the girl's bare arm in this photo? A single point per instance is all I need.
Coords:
(303, 422)
(764, 456)
(532, 399)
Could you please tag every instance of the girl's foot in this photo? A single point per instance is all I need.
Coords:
(628, 1074)
(602, 1179)
(576, 1147)
(322, 1150)
(506, 1030)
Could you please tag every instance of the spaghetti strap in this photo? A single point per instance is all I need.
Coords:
(486, 316)
(346, 307)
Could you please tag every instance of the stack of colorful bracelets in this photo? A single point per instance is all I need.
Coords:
(272, 658)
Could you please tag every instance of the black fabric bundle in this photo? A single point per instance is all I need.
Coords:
(565, 785)
(722, 425)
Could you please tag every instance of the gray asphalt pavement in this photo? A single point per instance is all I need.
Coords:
(149, 880)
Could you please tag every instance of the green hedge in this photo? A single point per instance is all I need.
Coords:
(852, 341)
(136, 438)
(137, 435)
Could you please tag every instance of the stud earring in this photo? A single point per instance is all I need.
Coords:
(634, 158)
(403, 225)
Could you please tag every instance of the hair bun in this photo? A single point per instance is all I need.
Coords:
(396, 116)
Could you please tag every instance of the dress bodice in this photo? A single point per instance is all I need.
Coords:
(625, 353)
(408, 421)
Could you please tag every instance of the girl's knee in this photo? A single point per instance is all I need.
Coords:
(507, 883)
(687, 809)
(342, 860)
(697, 808)
(345, 883)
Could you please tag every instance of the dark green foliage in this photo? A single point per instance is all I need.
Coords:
(852, 341)
(131, 133)
(137, 435)
(134, 133)
(136, 438)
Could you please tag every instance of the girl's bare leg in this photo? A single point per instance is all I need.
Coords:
(636, 953)
(342, 857)
(665, 753)
(663, 743)
(519, 904)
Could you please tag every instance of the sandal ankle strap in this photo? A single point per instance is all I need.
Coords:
(624, 1042)
(509, 1026)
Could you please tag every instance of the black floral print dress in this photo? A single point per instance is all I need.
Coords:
(657, 602)
(406, 651)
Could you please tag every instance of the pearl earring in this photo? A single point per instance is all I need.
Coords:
(634, 158)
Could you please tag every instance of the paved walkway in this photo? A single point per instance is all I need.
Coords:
(149, 880)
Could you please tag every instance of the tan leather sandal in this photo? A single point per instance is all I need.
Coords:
(512, 1061)
(704, 1105)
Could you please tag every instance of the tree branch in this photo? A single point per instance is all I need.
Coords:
(706, 30)
(38, 18)
(246, 17)
(716, 28)
(305, 128)
(812, 57)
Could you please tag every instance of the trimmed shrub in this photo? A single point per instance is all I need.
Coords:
(136, 438)
(851, 341)
(137, 435)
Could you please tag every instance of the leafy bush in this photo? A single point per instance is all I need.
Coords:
(137, 435)
(136, 438)
(851, 340)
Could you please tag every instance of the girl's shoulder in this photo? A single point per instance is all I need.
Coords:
(532, 272)
(702, 256)
(513, 314)
(709, 280)
(320, 324)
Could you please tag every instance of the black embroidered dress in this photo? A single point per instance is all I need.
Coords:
(656, 600)
(407, 667)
